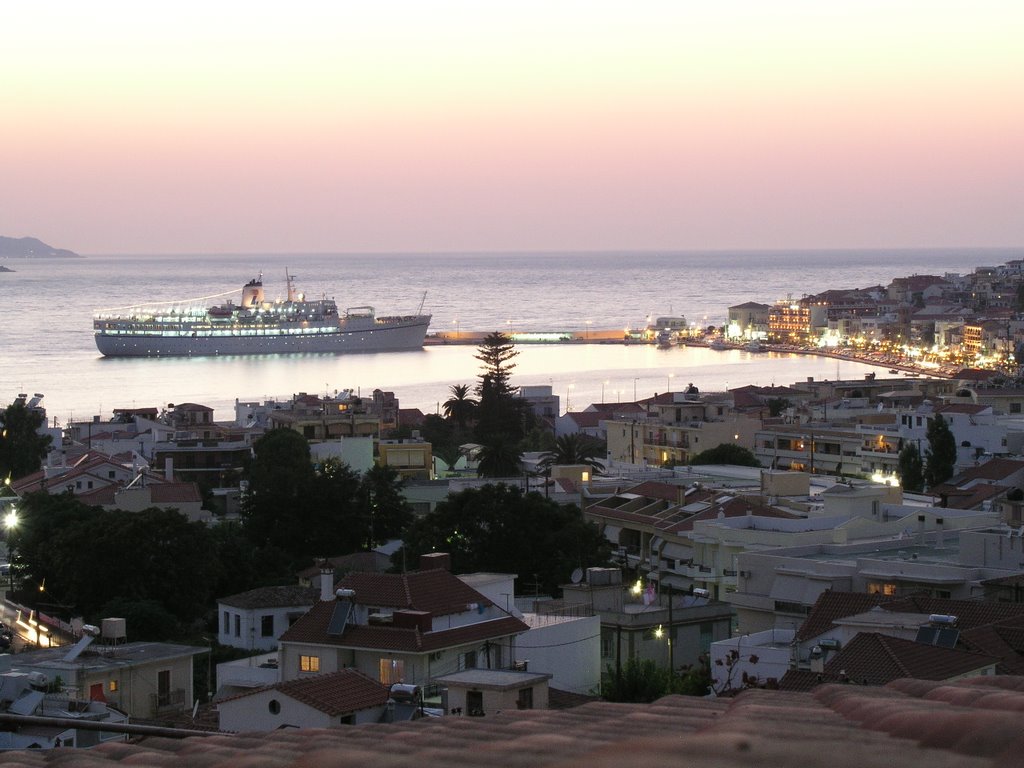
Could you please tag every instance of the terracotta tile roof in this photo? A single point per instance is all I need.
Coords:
(969, 408)
(98, 496)
(974, 374)
(335, 694)
(312, 628)
(969, 723)
(1004, 640)
(287, 596)
(832, 605)
(438, 591)
(994, 469)
(175, 493)
(969, 613)
(967, 498)
(872, 658)
(587, 418)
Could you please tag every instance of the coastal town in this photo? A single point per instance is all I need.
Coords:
(933, 325)
(764, 538)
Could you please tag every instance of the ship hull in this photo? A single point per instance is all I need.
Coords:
(407, 334)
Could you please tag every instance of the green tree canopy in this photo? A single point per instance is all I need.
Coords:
(499, 457)
(22, 448)
(305, 512)
(389, 511)
(500, 528)
(911, 468)
(727, 453)
(89, 558)
(277, 507)
(574, 448)
(940, 455)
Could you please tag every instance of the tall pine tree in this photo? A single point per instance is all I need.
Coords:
(498, 411)
(911, 468)
(940, 456)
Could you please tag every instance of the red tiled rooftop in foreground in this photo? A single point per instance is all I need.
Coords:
(909, 723)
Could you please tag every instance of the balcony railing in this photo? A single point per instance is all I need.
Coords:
(170, 701)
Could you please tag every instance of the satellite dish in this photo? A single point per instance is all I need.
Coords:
(577, 576)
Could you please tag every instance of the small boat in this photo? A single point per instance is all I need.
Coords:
(717, 343)
(894, 370)
(667, 337)
(755, 346)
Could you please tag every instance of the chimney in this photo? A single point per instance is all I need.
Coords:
(435, 560)
(326, 581)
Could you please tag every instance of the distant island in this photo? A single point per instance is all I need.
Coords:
(31, 248)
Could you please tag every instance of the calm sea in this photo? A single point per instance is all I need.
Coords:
(46, 342)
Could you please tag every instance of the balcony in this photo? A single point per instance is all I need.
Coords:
(168, 702)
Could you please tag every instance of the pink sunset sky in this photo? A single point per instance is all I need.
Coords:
(479, 126)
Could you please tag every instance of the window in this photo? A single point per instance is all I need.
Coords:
(469, 660)
(475, 703)
(607, 643)
(274, 706)
(227, 623)
(885, 588)
(309, 663)
(391, 671)
(267, 626)
(525, 698)
(112, 687)
(111, 473)
(163, 687)
(707, 635)
(1014, 407)
(238, 625)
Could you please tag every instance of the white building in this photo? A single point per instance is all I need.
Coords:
(254, 620)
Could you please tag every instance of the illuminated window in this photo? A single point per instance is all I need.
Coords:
(113, 686)
(309, 663)
(391, 671)
(885, 588)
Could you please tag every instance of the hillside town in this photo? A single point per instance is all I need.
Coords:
(402, 566)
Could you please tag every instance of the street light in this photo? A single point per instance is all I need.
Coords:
(634, 389)
(668, 383)
(603, 385)
(10, 523)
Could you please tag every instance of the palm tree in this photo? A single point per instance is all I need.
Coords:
(574, 449)
(460, 406)
(499, 457)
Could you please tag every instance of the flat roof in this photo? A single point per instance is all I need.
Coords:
(99, 657)
(494, 679)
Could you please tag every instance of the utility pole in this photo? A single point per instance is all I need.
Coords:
(671, 630)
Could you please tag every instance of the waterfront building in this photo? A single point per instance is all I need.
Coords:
(748, 321)
(677, 426)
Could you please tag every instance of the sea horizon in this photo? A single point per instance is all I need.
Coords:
(48, 340)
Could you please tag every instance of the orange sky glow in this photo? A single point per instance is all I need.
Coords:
(480, 126)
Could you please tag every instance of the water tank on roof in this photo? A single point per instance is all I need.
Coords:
(113, 630)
